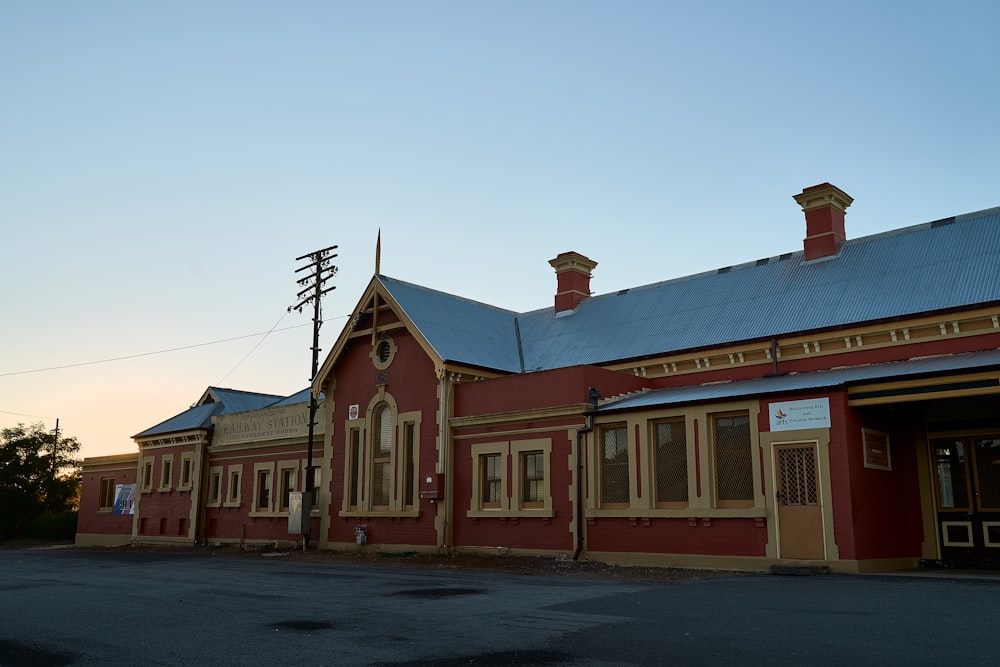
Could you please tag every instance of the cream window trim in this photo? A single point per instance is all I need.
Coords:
(517, 449)
(279, 504)
(146, 475)
(186, 467)
(215, 472)
(234, 492)
(166, 473)
(479, 453)
(262, 471)
(362, 463)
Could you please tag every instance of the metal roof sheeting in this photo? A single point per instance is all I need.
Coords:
(802, 381)
(227, 402)
(934, 266)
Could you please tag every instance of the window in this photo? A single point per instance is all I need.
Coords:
(215, 486)
(354, 473)
(187, 468)
(383, 352)
(147, 475)
(511, 479)
(166, 472)
(106, 503)
(491, 481)
(286, 483)
(409, 466)
(733, 460)
(532, 467)
(671, 463)
(382, 447)
(381, 460)
(235, 479)
(615, 483)
(262, 489)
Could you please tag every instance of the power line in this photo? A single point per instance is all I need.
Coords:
(148, 354)
(253, 349)
(21, 414)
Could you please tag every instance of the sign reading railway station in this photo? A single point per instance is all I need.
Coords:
(287, 421)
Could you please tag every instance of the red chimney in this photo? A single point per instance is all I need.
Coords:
(824, 206)
(572, 279)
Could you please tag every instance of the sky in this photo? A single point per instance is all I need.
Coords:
(163, 164)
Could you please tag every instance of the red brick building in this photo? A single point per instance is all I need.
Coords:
(838, 404)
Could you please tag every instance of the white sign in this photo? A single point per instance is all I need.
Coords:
(796, 415)
(353, 411)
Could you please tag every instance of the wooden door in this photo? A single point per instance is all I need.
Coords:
(797, 499)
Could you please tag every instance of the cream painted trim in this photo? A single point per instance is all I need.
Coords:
(215, 501)
(986, 533)
(944, 534)
(255, 508)
(146, 474)
(479, 452)
(293, 483)
(233, 493)
(188, 458)
(373, 354)
(517, 450)
(166, 473)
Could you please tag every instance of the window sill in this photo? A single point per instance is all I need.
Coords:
(540, 513)
(366, 514)
(684, 513)
(105, 510)
(234, 505)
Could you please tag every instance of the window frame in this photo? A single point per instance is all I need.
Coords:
(166, 473)
(601, 471)
(187, 470)
(654, 462)
(106, 495)
(263, 482)
(360, 440)
(215, 483)
(729, 503)
(146, 484)
(285, 482)
(511, 455)
(234, 485)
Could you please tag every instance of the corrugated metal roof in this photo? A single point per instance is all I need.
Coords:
(934, 266)
(805, 381)
(458, 329)
(227, 401)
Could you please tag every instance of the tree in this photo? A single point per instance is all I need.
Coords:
(39, 475)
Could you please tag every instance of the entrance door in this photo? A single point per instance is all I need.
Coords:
(797, 498)
(968, 500)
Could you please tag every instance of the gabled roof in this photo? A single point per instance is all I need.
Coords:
(937, 266)
(215, 401)
(460, 330)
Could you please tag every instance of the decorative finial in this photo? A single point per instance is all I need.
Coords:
(378, 252)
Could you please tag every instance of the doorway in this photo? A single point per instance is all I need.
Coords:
(967, 483)
(798, 503)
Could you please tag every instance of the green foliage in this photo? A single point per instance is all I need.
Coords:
(61, 526)
(38, 476)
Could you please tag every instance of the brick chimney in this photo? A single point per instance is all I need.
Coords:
(824, 206)
(572, 279)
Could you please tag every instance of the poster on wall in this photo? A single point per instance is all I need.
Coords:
(876, 445)
(124, 499)
(797, 415)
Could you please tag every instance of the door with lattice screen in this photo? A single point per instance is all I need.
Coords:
(797, 500)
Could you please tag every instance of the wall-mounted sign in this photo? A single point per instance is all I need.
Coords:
(876, 448)
(353, 411)
(797, 415)
(287, 421)
(124, 499)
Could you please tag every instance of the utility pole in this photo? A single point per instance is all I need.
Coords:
(313, 284)
(55, 448)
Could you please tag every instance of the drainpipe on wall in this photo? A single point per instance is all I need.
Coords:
(594, 395)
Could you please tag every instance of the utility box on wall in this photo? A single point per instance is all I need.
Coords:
(299, 508)
(432, 486)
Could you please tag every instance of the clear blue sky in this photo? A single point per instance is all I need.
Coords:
(162, 164)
